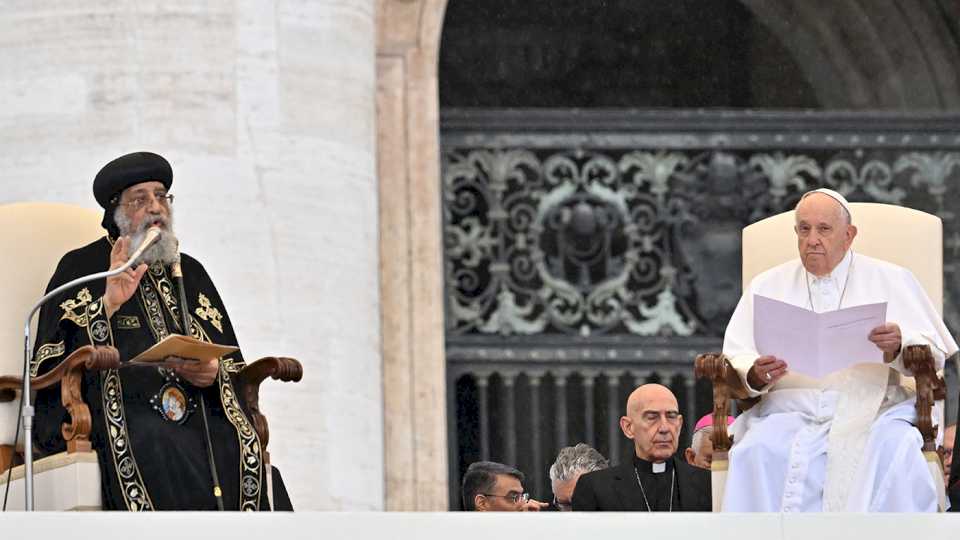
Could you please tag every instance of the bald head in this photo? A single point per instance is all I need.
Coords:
(647, 393)
(653, 421)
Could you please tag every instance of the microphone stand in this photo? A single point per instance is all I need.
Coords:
(177, 273)
(27, 409)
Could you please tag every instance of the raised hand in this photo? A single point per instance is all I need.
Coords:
(122, 286)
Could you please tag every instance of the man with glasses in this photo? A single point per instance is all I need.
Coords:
(148, 421)
(572, 462)
(494, 487)
(655, 479)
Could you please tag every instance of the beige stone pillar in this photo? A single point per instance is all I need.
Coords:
(411, 266)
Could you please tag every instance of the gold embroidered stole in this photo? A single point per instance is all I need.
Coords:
(156, 292)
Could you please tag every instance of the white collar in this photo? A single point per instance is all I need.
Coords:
(838, 275)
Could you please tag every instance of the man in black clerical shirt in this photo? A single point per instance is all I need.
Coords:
(655, 480)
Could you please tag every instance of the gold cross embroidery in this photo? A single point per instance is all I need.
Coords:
(209, 313)
(72, 308)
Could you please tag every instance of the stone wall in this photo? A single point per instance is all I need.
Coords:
(266, 111)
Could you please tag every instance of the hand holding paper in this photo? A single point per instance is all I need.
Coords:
(887, 338)
(200, 373)
(766, 370)
(183, 347)
(817, 344)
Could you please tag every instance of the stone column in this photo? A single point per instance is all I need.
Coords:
(266, 111)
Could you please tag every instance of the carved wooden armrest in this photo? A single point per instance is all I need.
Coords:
(69, 373)
(250, 377)
(727, 385)
(919, 360)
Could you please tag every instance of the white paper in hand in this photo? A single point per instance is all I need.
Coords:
(816, 344)
(183, 347)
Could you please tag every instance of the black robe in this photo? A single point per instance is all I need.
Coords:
(616, 489)
(147, 461)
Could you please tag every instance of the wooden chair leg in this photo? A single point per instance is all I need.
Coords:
(919, 360)
(279, 368)
(713, 366)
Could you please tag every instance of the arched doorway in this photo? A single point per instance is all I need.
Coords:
(849, 59)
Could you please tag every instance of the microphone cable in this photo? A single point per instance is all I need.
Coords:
(177, 272)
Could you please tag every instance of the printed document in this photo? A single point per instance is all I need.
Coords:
(816, 344)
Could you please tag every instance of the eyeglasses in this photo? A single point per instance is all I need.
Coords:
(515, 498)
(142, 201)
(562, 506)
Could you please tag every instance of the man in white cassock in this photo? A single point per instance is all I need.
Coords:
(845, 442)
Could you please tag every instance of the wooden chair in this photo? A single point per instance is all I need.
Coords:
(903, 236)
(40, 234)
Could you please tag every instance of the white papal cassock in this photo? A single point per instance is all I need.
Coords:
(845, 442)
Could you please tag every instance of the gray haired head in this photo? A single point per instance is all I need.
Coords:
(481, 477)
(575, 460)
(698, 436)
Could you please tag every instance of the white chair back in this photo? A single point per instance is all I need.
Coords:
(36, 235)
(903, 236)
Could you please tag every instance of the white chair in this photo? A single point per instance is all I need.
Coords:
(36, 235)
(903, 236)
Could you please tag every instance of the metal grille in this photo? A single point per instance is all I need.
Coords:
(589, 252)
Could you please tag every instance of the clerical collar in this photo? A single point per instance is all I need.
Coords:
(830, 288)
(644, 466)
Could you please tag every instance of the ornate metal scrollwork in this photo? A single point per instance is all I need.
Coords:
(618, 240)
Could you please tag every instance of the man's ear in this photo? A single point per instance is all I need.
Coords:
(480, 502)
(626, 426)
(851, 233)
(689, 455)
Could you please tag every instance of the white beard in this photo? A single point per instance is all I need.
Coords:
(165, 250)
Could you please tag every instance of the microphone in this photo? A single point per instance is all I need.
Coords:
(176, 271)
(151, 238)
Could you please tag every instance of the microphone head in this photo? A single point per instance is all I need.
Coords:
(149, 238)
(152, 235)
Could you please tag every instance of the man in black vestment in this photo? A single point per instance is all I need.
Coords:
(655, 480)
(147, 425)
